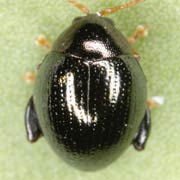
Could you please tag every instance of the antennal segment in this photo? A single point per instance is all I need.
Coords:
(105, 12)
(79, 6)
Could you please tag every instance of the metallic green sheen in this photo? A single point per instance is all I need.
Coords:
(60, 51)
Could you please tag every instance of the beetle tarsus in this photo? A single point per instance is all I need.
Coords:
(136, 54)
(142, 135)
(141, 31)
(33, 129)
(43, 41)
(30, 77)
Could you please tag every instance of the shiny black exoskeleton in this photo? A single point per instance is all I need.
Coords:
(90, 96)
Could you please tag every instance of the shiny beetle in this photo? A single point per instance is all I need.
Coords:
(90, 94)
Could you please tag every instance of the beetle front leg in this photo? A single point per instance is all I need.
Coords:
(142, 135)
(141, 31)
(41, 40)
(33, 129)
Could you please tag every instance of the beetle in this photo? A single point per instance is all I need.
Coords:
(89, 100)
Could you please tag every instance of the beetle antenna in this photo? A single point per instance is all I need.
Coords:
(105, 12)
(80, 6)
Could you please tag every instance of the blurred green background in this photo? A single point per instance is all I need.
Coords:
(21, 23)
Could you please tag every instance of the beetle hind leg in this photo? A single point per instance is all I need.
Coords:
(42, 40)
(142, 135)
(33, 129)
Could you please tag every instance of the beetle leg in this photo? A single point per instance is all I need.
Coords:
(42, 41)
(30, 77)
(141, 31)
(155, 101)
(142, 135)
(33, 129)
(136, 54)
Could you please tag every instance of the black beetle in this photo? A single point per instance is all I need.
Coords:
(90, 94)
